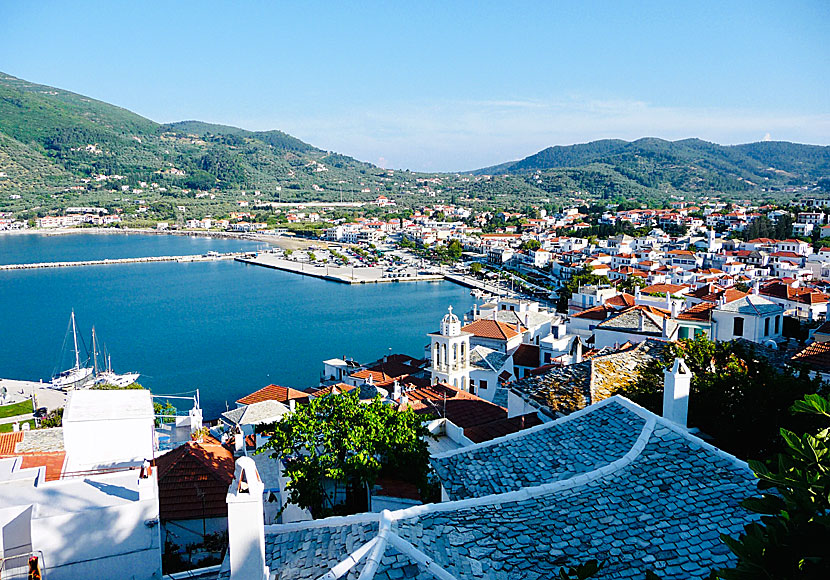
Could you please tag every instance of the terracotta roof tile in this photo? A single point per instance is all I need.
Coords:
(273, 393)
(53, 462)
(9, 441)
(193, 481)
(816, 355)
(487, 328)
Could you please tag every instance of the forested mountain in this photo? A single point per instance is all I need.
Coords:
(686, 165)
(59, 148)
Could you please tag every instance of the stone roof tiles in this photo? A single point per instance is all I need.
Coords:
(544, 454)
(565, 389)
(659, 506)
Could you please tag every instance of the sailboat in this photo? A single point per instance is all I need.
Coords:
(107, 376)
(77, 375)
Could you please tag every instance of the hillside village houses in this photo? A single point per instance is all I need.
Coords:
(530, 438)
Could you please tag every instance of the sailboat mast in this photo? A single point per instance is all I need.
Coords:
(75, 338)
(94, 353)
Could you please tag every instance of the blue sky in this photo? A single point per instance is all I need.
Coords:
(443, 86)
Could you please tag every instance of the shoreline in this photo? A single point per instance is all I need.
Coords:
(285, 242)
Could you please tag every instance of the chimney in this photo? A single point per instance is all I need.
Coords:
(756, 286)
(246, 523)
(676, 384)
(578, 349)
(396, 390)
(292, 405)
(238, 440)
(666, 327)
(195, 419)
(640, 321)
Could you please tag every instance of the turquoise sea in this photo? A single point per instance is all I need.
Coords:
(223, 327)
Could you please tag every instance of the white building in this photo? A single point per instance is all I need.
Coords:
(97, 514)
(752, 317)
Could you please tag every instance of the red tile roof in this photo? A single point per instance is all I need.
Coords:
(337, 389)
(487, 328)
(664, 289)
(193, 481)
(9, 441)
(816, 355)
(53, 462)
(501, 427)
(460, 407)
(273, 393)
(699, 312)
(622, 300)
(527, 355)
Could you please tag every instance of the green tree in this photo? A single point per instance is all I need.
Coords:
(454, 250)
(729, 378)
(337, 443)
(476, 268)
(791, 541)
(529, 245)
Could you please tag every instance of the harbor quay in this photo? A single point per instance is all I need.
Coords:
(346, 274)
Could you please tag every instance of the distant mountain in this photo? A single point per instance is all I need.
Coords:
(58, 148)
(685, 165)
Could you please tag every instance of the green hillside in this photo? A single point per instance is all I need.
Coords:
(689, 165)
(59, 148)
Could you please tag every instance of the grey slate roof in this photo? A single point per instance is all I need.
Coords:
(256, 413)
(543, 454)
(41, 441)
(752, 304)
(487, 358)
(655, 499)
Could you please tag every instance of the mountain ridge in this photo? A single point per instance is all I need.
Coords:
(58, 148)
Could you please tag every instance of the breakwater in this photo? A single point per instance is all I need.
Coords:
(109, 261)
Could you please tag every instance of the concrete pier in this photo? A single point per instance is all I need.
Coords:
(341, 274)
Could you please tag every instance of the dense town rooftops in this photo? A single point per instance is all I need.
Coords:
(655, 498)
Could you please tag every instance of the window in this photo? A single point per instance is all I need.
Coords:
(547, 357)
(766, 327)
(483, 384)
(777, 324)
(738, 326)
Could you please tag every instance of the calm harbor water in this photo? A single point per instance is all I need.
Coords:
(32, 248)
(223, 327)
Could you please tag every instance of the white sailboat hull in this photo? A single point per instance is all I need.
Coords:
(114, 380)
(72, 378)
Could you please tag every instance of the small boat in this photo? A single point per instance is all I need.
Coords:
(107, 377)
(78, 375)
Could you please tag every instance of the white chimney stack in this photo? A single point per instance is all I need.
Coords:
(676, 384)
(246, 523)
